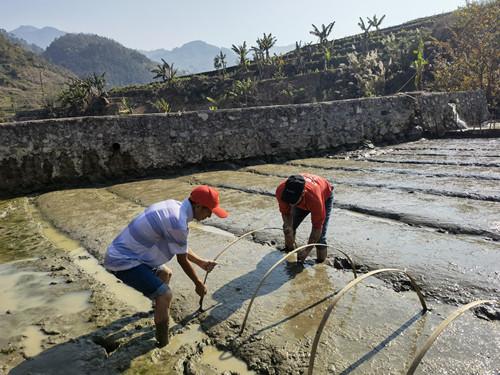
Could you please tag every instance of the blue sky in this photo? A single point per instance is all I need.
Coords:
(151, 24)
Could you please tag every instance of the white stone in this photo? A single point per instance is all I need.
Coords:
(203, 116)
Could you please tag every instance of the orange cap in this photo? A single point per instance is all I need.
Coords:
(208, 197)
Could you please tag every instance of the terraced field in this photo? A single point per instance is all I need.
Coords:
(429, 207)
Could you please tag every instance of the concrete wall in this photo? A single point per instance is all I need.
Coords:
(43, 154)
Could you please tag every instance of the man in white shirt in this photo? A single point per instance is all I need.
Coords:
(137, 256)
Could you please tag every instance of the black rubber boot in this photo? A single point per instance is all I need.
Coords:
(162, 334)
(321, 253)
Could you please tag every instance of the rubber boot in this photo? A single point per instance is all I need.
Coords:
(162, 334)
(321, 253)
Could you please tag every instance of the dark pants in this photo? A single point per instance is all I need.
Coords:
(143, 278)
(299, 215)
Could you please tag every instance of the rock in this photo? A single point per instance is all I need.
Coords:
(50, 331)
(487, 312)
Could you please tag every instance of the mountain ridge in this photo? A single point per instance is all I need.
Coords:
(85, 54)
(196, 56)
(42, 37)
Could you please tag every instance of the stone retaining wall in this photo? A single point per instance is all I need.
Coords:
(47, 153)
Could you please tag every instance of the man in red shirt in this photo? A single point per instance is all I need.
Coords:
(298, 196)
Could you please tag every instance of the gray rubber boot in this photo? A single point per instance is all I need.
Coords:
(162, 334)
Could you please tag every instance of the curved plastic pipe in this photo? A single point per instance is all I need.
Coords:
(353, 266)
(227, 247)
(440, 329)
(339, 295)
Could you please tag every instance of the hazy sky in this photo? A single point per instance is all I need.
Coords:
(151, 24)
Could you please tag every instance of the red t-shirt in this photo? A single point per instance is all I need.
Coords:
(317, 190)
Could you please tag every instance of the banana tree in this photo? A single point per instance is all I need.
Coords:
(242, 52)
(419, 65)
(322, 34)
(242, 90)
(375, 22)
(165, 71)
(266, 43)
(220, 63)
(366, 32)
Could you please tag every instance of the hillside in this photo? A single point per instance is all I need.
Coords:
(26, 79)
(40, 37)
(358, 66)
(84, 54)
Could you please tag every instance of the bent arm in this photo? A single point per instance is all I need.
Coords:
(207, 265)
(288, 231)
(313, 238)
(315, 235)
(200, 288)
(188, 269)
(193, 257)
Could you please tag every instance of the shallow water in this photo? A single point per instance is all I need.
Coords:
(28, 296)
(224, 361)
(32, 342)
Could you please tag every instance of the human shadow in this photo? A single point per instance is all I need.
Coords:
(294, 315)
(110, 349)
(232, 295)
(380, 346)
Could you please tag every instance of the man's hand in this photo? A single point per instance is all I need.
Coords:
(201, 289)
(208, 265)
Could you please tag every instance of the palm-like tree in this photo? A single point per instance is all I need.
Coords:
(258, 59)
(241, 91)
(258, 54)
(242, 52)
(323, 33)
(366, 32)
(266, 43)
(165, 71)
(220, 62)
(375, 22)
(366, 28)
(299, 57)
(419, 64)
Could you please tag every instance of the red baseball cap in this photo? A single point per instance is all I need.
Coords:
(208, 197)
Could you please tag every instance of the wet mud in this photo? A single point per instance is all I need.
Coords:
(60, 306)
(426, 170)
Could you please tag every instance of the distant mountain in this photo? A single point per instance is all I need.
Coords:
(27, 81)
(279, 50)
(198, 56)
(41, 37)
(21, 42)
(85, 54)
(192, 57)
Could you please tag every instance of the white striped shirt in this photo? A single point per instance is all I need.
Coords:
(152, 238)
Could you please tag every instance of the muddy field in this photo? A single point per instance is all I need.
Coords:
(429, 207)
